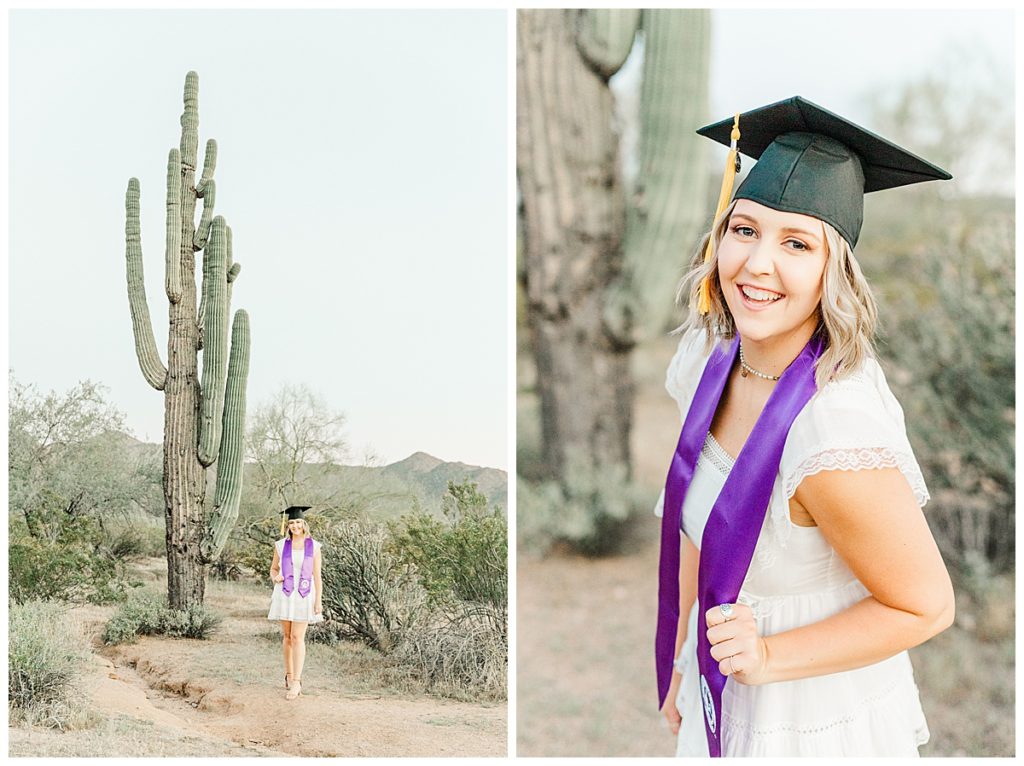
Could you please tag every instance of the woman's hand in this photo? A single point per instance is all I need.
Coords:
(669, 709)
(740, 651)
(277, 578)
(318, 607)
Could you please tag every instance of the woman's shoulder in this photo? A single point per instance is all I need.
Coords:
(852, 423)
(863, 393)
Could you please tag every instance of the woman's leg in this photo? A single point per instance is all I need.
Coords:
(286, 630)
(298, 648)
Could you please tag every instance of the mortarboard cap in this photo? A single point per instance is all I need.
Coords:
(813, 162)
(293, 512)
(296, 511)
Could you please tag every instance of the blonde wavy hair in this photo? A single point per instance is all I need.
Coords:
(847, 314)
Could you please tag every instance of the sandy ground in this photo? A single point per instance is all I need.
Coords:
(225, 696)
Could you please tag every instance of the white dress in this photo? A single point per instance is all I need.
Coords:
(294, 607)
(796, 578)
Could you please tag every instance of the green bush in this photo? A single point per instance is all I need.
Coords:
(463, 557)
(69, 560)
(146, 614)
(950, 359)
(46, 658)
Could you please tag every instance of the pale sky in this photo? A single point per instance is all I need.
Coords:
(362, 168)
(842, 59)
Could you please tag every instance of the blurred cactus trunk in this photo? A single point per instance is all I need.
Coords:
(204, 416)
(601, 263)
(574, 218)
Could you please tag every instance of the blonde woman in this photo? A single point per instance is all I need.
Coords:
(796, 564)
(298, 591)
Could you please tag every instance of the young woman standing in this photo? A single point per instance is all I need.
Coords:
(297, 598)
(796, 565)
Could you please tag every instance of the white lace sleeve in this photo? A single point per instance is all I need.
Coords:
(852, 425)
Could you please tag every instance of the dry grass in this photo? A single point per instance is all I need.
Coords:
(224, 696)
(121, 736)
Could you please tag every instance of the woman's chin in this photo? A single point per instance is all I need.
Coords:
(755, 332)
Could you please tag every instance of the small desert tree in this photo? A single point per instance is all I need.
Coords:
(293, 439)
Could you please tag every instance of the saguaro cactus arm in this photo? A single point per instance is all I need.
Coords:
(215, 343)
(668, 200)
(209, 166)
(153, 368)
(173, 241)
(229, 464)
(604, 37)
(233, 268)
(190, 122)
(206, 190)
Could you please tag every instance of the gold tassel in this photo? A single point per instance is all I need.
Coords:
(731, 167)
(284, 523)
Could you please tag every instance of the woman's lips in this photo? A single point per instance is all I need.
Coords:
(754, 305)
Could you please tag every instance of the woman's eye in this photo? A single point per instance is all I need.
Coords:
(743, 231)
(797, 244)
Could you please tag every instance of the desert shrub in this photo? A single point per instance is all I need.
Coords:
(951, 362)
(46, 658)
(68, 559)
(463, 556)
(137, 536)
(463, 656)
(367, 590)
(251, 546)
(590, 509)
(146, 614)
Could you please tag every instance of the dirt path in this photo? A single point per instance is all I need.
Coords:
(226, 695)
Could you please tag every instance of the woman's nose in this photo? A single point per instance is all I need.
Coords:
(760, 260)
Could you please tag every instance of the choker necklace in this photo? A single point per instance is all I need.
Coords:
(746, 368)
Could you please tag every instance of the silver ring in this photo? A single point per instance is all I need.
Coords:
(726, 610)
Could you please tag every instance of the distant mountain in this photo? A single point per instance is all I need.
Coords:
(385, 492)
(417, 462)
(432, 476)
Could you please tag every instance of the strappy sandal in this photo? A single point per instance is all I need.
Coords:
(294, 690)
(285, 680)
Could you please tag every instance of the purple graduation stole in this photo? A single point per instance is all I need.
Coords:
(305, 574)
(734, 524)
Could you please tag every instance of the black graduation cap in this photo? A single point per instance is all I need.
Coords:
(296, 511)
(293, 512)
(814, 162)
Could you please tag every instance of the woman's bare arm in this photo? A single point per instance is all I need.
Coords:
(874, 523)
(275, 567)
(316, 578)
(689, 564)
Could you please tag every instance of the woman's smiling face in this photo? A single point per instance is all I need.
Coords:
(770, 265)
(295, 526)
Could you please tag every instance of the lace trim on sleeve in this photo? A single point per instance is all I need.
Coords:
(858, 459)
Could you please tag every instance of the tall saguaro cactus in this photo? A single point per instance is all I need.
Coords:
(203, 421)
(600, 265)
